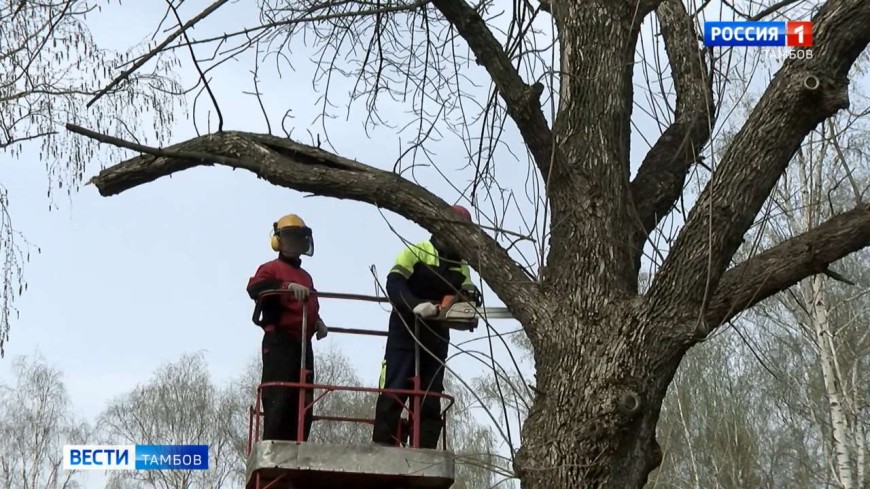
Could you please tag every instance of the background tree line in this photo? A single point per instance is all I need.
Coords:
(180, 404)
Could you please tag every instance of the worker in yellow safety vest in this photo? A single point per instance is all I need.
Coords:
(422, 276)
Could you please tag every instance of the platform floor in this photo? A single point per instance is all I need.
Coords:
(319, 466)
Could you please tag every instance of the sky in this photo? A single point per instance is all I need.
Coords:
(127, 283)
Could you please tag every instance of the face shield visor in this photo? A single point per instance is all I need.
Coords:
(296, 241)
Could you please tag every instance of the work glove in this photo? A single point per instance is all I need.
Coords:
(426, 310)
(322, 330)
(299, 291)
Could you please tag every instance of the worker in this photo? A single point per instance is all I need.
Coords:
(423, 275)
(282, 327)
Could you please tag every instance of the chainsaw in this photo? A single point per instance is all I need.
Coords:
(462, 314)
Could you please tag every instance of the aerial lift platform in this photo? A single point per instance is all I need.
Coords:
(276, 464)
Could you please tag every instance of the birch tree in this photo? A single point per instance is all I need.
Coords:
(822, 181)
(728, 423)
(604, 352)
(49, 66)
(801, 416)
(179, 405)
(36, 421)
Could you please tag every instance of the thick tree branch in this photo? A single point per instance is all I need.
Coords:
(522, 101)
(662, 175)
(289, 164)
(803, 94)
(788, 263)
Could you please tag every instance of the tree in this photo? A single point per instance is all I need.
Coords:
(473, 443)
(825, 316)
(777, 399)
(720, 422)
(35, 422)
(178, 406)
(49, 66)
(604, 353)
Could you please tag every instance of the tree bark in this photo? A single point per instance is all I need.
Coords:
(789, 262)
(815, 298)
(802, 94)
(606, 439)
(591, 200)
(662, 174)
(861, 448)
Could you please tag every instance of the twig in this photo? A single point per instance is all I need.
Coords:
(257, 93)
(198, 69)
(317, 18)
(835, 142)
(836, 276)
(773, 8)
(138, 64)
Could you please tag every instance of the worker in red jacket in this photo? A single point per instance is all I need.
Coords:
(282, 326)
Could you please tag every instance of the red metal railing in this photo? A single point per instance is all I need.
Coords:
(415, 394)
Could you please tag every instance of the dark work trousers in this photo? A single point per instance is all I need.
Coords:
(399, 374)
(281, 362)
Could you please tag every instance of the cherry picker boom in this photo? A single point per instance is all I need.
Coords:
(274, 464)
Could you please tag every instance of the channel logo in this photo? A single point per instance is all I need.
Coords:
(135, 457)
(759, 34)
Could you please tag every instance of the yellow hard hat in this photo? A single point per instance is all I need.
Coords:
(290, 220)
(295, 227)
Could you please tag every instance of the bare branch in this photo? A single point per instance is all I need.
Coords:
(158, 49)
(196, 65)
(772, 9)
(305, 168)
(662, 175)
(803, 94)
(307, 19)
(522, 101)
(788, 263)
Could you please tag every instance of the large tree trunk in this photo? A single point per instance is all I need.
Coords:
(593, 422)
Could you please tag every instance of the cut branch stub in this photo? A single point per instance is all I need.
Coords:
(630, 403)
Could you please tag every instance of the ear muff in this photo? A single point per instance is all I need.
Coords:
(276, 245)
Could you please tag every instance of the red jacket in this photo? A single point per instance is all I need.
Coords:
(284, 312)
